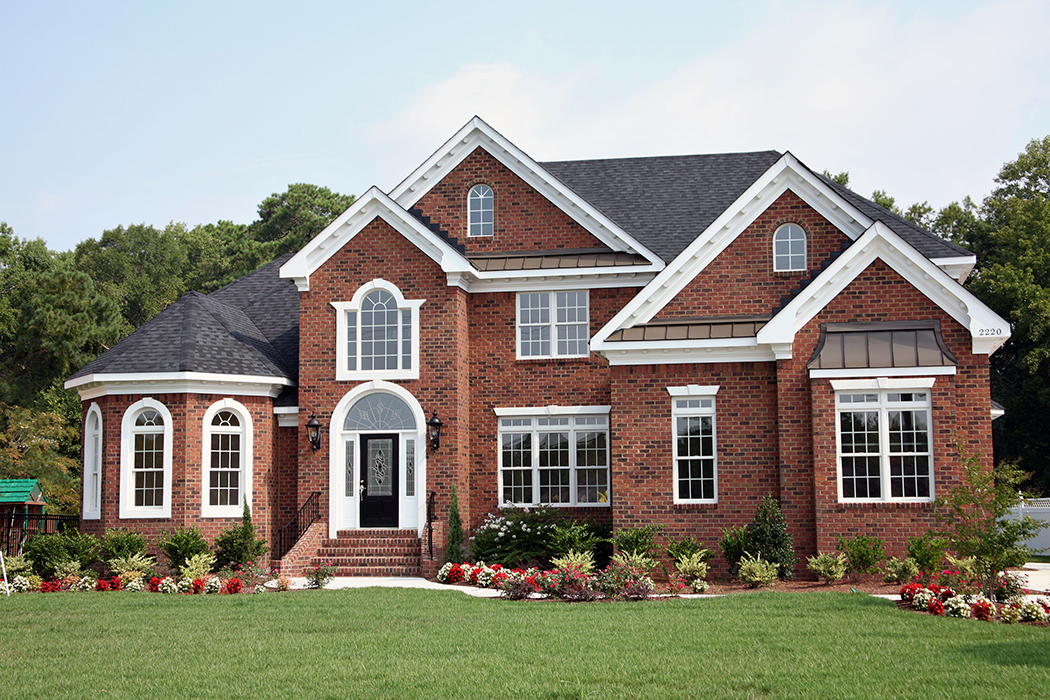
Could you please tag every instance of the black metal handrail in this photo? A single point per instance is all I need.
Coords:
(430, 522)
(16, 528)
(289, 534)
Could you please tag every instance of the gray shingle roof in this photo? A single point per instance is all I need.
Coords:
(665, 202)
(249, 327)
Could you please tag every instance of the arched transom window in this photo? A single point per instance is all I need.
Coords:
(789, 249)
(378, 334)
(227, 460)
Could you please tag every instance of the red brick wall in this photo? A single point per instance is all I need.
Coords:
(961, 406)
(378, 251)
(187, 413)
(741, 279)
(499, 380)
(643, 478)
(523, 218)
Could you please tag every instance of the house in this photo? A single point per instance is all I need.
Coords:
(639, 340)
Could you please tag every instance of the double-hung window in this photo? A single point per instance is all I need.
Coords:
(377, 334)
(695, 448)
(553, 324)
(227, 460)
(145, 461)
(884, 444)
(558, 458)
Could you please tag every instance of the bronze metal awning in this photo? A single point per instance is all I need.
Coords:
(715, 327)
(881, 344)
(555, 260)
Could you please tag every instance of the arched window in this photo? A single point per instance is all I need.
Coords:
(145, 462)
(379, 330)
(227, 460)
(789, 249)
(479, 207)
(92, 482)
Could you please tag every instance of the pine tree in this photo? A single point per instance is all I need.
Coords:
(454, 548)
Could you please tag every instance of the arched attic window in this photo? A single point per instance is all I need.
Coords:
(789, 249)
(480, 211)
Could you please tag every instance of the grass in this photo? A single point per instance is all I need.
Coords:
(1039, 558)
(396, 643)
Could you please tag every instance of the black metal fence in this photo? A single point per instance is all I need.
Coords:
(288, 535)
(16, 528)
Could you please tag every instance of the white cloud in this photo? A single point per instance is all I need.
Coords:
(927, 106)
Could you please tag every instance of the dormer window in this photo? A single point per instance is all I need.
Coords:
(479, 208)
(789, 249)
(378, 334)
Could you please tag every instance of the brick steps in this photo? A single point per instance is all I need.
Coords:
(379, 552)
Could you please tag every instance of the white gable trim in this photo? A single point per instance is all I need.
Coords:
(373, 203)
(786, 174)
(987, 329)
(477, 133)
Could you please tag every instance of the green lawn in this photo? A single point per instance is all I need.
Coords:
(393, 643)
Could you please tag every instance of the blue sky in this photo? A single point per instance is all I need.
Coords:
(127, 112)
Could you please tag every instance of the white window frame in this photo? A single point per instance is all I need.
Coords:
(345, 308)
(92, 481)
(689, 402)
(477, 227)
(552, 324)
(788, 230)
(246, 432)
(576, 419)
(883, 388)
(128, 509)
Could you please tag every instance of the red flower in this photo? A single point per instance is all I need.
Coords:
(102, 585)
(198, 585)
(115, 584)
(154, 585)
(232, 586)
(936, 607)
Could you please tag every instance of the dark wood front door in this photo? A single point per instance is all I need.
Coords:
(379, 467)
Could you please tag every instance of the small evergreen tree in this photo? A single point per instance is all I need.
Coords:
(454, 547)
(768, 535)
(238, 544)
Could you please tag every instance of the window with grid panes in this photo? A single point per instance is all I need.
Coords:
(557, 460)
(553, 324)
(885, 453)
(695, 455)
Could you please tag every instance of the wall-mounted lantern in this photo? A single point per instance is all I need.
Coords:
(434, 431)
(313, 432)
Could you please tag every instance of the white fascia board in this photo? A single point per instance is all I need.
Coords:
(552, 411)
(372, 204)
(987, 329)
(562, 279)
(787, 173)
(287, 416)
(883, 382)
(881, 371)
(477, 133)
(957, 268)
(94, 385)
(685, 352)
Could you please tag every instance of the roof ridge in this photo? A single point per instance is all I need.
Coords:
(205, 301)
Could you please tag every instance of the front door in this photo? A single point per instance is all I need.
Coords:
(379, 493)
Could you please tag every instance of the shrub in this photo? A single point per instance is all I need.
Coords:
(584, 561)
(454, 545)
(238, 543)
(516, 538)
(755, 572)
(182, 544)
(67, 569)
(634, 560)
(928, 551)
(636, 540)
(830, 567)
(47, 552)
(1009, 586)
(320, 575)
(733, 544)
(119, 542)
(692, 566)
(133, 562)
(567, 583)
(768, 536)
(901, 570)
(197, 566)
(685, 547)
(619, 580)
(864, 552)
(17, 565)
(516, 588)
(574, 537)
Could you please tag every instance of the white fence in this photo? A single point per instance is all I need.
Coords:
(1038, 509)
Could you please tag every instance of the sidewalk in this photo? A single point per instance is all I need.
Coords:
(1038, 582)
